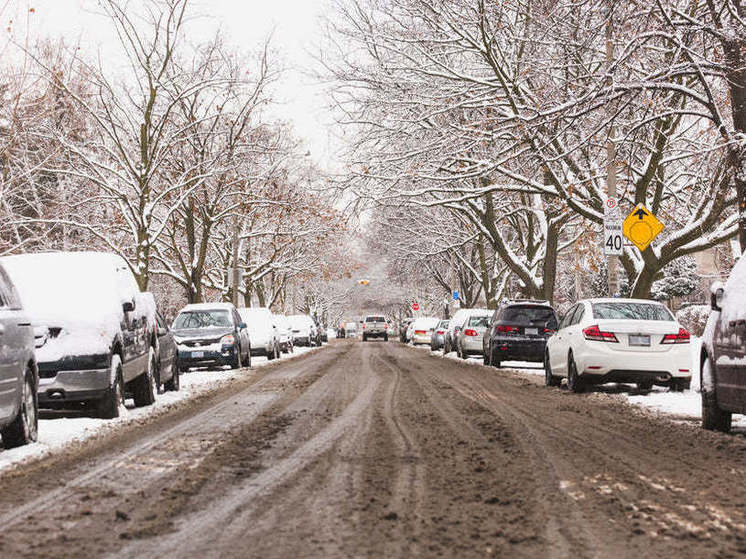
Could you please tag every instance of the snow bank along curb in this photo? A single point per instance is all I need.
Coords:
(687, 404)
(62, 429)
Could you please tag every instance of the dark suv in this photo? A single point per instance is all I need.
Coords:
(519, 331)
(723, 357)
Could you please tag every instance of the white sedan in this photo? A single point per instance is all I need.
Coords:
(618, 340)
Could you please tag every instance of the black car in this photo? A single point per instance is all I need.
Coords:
(211, 334)
(168, 357)
(519, 331)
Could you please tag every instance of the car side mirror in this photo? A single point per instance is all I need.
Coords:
(128, 306)
(717, 291)
(162, 331)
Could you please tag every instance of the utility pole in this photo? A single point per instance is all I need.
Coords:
(611, 260)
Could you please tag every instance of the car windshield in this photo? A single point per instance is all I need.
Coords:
(479, 321)
(631, 311)
(202, 319)
(375, 319)
(529, 314)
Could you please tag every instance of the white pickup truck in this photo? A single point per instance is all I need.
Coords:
(374, 326)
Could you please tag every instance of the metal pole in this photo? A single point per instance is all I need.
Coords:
(611, 260)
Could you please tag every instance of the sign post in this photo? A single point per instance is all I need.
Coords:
(613, 239)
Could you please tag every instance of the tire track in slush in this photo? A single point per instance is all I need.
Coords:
(409, 486)
(219, 523)
(195, 423)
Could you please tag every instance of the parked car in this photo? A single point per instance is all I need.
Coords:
(422, 330)
(618, 340)
(95, 332)
(723, 357)
(374, 326)
(167, 368)
(351, 330)
(211, 334)
(470, 335)
(284, 332)
(403, 327)
(304, 330)
(19, 379)
(263, 335)
(454, 325)
(519, 331)
(390, 329)
(439, 335)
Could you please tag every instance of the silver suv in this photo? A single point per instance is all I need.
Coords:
(18, 373)
(374, 326)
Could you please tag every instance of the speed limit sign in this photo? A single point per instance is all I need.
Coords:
(613, 239)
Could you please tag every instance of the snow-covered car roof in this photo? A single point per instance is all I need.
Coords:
(208, 307)
(619, 300)
(478, 312)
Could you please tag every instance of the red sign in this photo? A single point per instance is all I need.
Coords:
(415, 306)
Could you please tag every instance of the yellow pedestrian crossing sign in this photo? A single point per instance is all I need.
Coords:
(641, 227)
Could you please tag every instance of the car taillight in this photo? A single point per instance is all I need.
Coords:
(440, 332)
(420, 332)
(507, 329)
(548, 331)
(594, 333)
(681, 338)
(363, 326)
(470, 332)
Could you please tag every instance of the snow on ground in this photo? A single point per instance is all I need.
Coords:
(685, 405)
(58, 429)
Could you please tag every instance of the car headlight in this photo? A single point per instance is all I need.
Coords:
(228, 340)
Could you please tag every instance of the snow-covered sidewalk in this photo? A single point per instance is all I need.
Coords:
(58, 430)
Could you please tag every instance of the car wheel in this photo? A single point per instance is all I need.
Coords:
(144, 387)
(645, 385)
(174, 383)
(486, 356)
(574, 382)
(365, 338)
(271, 355)
(236, 364)
(386, 338)
(680, 385)
(549, 378)
(24, 429)
(109, 406)
(713, 418)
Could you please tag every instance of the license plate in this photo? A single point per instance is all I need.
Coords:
(198, 354)
(532, 331)
(639, 340)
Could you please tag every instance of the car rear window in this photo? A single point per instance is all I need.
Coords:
(631, 311)
(375, 319)
(477, 321)
(529, 314)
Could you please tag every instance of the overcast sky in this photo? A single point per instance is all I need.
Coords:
(245, 23)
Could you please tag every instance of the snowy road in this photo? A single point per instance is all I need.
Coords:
(380, 450)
